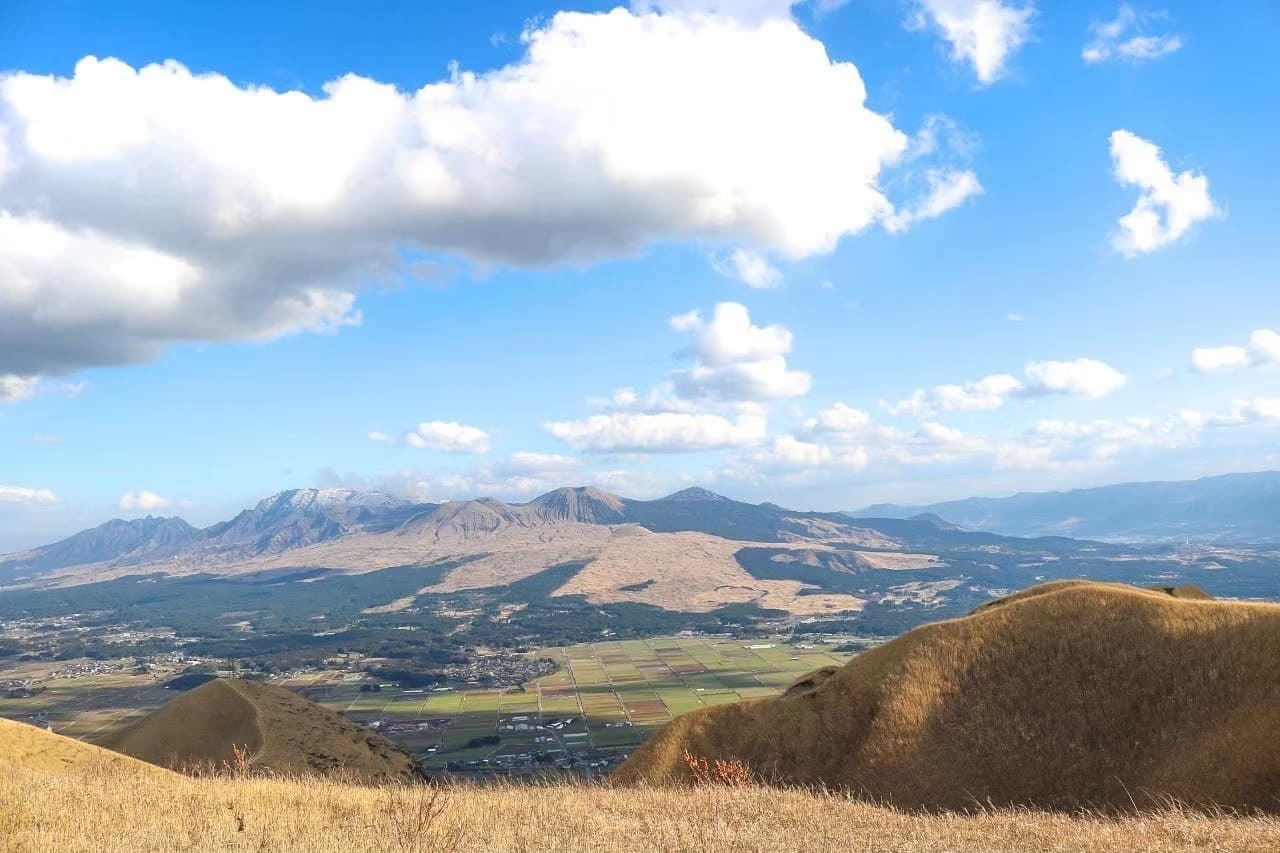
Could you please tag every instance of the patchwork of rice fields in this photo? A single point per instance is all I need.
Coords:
(605, 699)
(83, 706)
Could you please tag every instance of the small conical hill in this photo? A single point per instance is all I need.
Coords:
(281, 730)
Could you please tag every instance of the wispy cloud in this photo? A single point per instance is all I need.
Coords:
(1123, 38)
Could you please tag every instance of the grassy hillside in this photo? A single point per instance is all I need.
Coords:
(33, 750)
(101, 811)
(281, 730)
(1067, 695)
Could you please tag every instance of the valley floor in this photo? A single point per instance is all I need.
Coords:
(99, 810)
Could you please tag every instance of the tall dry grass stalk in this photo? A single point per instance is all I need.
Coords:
(99, 810)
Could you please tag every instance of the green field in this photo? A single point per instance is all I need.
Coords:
(81, 706)
(615, 693)
(604, 700)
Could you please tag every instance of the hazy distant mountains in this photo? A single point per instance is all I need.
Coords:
(364, 527)
(1234, 508)
(282, 522)
(142, 539)
(695, 551)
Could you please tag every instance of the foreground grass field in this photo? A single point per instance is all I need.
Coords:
(96, 809)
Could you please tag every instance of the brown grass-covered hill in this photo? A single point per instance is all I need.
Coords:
(282, 731)
(35, 749)
(1067, 695)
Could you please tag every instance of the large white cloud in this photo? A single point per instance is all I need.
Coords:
(1081, 377)
(1263, 349)
(1123, 38)
(1168, 205)
(141, 207)
(982, 33)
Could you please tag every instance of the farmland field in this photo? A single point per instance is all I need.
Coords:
(604, 700)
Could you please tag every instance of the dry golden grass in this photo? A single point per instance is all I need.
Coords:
(1069, 695)
(39, 751)
(99, 812)
(281, 731)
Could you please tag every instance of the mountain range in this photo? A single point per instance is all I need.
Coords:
(1228, 509)
(692, 536)
(693, 551)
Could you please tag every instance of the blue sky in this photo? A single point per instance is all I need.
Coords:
(210, 292)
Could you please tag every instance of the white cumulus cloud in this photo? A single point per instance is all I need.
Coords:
(735, 360)
(788, 453)
(722, 400)
(449, 436)
(858, 438)
(983, 33)
(144, 206)
(1168, 205)
(1081, 377)
(1263, 349)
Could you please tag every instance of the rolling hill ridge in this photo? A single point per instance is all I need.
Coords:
(1066, 696)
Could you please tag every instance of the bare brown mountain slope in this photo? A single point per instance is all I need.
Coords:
(282, 731)
(1068, 695)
